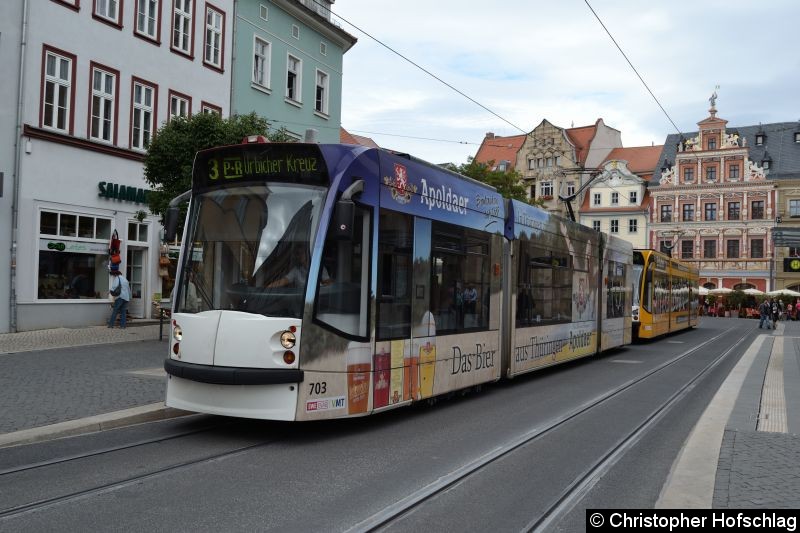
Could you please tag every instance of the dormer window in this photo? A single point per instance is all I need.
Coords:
(765, 164)
(712, 143)
(760, 139)
(797, 136)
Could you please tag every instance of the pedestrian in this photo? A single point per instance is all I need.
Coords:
(122, 290)
(775, 314)
(763, 312)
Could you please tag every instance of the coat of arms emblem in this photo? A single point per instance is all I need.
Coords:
(400, 187)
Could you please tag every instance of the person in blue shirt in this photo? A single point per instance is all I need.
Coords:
(121, 302)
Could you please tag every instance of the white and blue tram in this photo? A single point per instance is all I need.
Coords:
(326, 281)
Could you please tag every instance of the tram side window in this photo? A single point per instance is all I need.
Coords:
(544, 286)
(648, 288)
(343, 284)
(395, 238)
(615, 290)
(460, 278)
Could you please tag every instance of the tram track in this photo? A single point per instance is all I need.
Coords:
(572, 494)
(104, 488)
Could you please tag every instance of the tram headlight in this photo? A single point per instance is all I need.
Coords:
(288, 339)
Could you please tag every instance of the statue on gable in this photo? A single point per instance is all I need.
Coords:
(668, 176)
(754, 171)
(732, 140)
(713, 98)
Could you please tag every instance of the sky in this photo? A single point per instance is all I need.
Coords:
(551, 59)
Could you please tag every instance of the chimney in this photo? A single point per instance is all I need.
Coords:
(489, 135)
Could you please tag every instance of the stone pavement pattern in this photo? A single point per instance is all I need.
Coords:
(50, 386)
(66, 337)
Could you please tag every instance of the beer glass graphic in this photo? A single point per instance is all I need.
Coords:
(358, 373)
(425, 347)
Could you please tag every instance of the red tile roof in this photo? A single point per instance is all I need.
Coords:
(582, 137)
(345, 137)
(499, 149)
(642, 160)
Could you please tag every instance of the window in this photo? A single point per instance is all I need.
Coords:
(546, 189)
(688, 212)
(794, 208)
(633, 197)
(633, 225)
(596, 225)
(687, 249)
(205, 107)
(688, 174)
(180, 105)
(757, 210)
(614, 226)
(321, 93)
(148, 17)
(57, 97)
(544, 290)
(215, 33)
(615, 290)
(143, 117)
(710, 249)
(570, 188)
(732, 249)
(712, 143)
(103, 104)
(323, 49)
(711, 173)
(182, 26)
(765, 164)
(596, 198)
(665, 247)
(343, 298)
(666, 213)
(293, 78)
(794, 252)
(711, 212)
(261, 61)
(797, 137)
(760, 139)
(137, 232)
(733, 172)
(614, 198)
(757, 248)
(734, 210)
(73, 251)
(549, 162)
(459, 278)
(531, 164)
(533, 191)
(107, 10)
(295, 31)
(540, 162)
(263, 12)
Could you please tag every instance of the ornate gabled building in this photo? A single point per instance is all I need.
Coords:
(617, 201)
(555, 160)
(714, 203)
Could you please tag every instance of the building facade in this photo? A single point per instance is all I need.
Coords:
(617, 200)
(96, 80)
(555, 161)
(288, 69)
(715, 201)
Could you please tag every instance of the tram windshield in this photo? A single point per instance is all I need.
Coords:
(250, 249)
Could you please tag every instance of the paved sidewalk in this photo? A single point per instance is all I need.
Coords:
(67, 381)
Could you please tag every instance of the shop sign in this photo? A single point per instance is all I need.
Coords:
(73, 246)
(116, 191)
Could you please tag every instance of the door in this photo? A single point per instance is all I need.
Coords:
(136, 274)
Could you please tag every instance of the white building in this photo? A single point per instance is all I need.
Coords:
(95, 80)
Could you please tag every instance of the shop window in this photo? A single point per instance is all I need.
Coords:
(73, 256)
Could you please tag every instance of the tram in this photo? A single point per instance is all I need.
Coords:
(666, 294)
(329, 281)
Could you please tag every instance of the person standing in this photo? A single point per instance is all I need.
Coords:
(763, 311)
(122, 299)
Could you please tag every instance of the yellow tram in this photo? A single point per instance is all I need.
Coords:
(665, 299)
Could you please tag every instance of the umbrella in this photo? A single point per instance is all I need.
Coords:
(783, 292)
(720, 290)
(753, 292)
(702, 291)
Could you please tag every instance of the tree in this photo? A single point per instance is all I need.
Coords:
(507, 183)
(169, 158)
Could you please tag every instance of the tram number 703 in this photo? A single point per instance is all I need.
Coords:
(318, 388)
